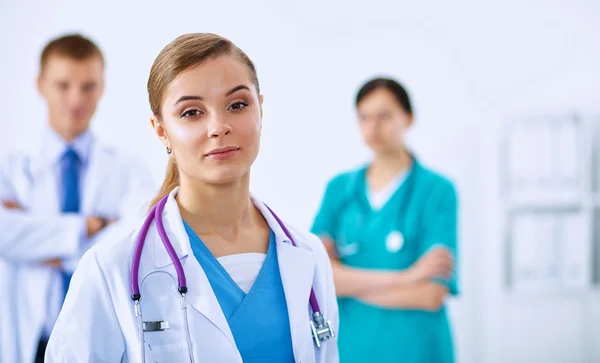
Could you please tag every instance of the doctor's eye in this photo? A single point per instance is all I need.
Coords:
(191, 113)
(62, 86)
(237, 106)
(89, 88)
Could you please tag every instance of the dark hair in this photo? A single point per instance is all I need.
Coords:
(394, 87)
(73, 46)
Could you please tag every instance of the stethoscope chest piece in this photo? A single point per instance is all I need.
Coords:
(322, 330)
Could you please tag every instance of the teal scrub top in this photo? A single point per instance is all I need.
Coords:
(421, 214)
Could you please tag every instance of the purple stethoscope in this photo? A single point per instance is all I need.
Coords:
(321, 329)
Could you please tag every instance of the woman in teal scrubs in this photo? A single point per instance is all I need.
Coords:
(391, 229)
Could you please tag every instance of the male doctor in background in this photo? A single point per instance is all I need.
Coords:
(72, 180)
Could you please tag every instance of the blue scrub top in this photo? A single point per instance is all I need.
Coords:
(421, 214)
(258, 320)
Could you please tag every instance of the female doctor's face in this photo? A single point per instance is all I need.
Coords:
(383, 121)
(211, 120)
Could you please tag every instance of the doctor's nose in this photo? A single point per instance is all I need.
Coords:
(75, 97)
(371, 129)
(219, 127)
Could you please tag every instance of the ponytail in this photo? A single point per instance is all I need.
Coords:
(171, 181)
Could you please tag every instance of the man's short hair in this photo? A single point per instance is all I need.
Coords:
(73, 46)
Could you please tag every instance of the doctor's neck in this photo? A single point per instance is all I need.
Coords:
(390, 163)
(223, 209)
(68, 134)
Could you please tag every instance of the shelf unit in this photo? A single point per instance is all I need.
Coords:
(551, 198)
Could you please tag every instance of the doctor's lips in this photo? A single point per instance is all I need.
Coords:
(77, 113)
(223, 153)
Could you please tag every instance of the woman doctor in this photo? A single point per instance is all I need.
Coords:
(391, 229)
(248, 278)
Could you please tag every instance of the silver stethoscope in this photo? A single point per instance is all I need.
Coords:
(321, 329)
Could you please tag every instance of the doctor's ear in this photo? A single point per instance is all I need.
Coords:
(410, 120)
(39, 85)
(261, 98)
(160, 130)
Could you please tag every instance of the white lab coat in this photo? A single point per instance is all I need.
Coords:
(28, 237)
(117, 185)
(98, 322)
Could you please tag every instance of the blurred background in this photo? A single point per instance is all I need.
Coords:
(491, 83)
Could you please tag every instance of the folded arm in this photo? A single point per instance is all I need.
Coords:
(29, 237)
(428, 296)
(408, 289)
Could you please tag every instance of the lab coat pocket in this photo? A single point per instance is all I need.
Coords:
(171, 352)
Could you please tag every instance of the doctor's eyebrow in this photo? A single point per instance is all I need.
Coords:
(198, 98)
(188, 98)
(235, 89)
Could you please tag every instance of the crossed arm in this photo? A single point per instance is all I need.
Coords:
(50, 239)
(43, 239)
(408, 289)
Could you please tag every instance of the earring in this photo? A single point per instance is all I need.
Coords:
(169, 151)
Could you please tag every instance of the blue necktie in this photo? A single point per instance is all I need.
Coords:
(70, 193)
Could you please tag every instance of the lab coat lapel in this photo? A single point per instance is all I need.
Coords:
(297, 268)
(200, 294)
(202, 298)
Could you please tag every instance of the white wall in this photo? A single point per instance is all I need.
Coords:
(548, 60)
(467, 64)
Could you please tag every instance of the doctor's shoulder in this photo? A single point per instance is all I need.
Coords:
(133, 169)
(343, 183)
(311, 242)
(122, 156)
(435, 185)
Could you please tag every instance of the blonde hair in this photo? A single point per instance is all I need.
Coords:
(186, 51)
